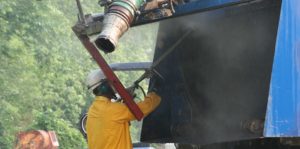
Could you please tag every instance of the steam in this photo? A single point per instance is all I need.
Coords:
(224, 67)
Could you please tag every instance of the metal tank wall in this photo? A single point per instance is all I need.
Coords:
(215, 83)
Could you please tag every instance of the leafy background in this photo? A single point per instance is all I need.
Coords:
(43, 68)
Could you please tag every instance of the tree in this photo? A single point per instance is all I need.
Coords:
(43, 68)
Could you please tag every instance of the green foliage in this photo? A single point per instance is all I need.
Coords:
(68, 136)
(43, 68)
(8, 115)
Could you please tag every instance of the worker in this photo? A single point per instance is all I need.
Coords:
(108, 122)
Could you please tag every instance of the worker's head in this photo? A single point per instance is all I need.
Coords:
(99, 85)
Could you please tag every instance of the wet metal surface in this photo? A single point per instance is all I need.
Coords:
(217, 78)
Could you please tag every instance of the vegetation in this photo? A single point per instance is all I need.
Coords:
(43, 68)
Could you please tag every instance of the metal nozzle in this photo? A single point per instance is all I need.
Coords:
(116, 21)
(113, 28)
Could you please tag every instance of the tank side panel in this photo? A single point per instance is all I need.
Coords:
(216, 81)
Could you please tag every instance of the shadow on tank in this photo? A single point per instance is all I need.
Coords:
(216, 81)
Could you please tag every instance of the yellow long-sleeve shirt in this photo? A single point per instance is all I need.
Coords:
(107, 123)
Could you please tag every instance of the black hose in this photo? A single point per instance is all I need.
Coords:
(144, 93)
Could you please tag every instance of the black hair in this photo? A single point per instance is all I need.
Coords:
(104, 89)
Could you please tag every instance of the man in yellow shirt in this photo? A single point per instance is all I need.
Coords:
(108, 122)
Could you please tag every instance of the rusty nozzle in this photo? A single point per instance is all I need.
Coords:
(113, 28)
(116, 21)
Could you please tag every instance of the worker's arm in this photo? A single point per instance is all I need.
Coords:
(122, 113)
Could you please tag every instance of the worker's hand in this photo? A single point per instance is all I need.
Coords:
(131, 90)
